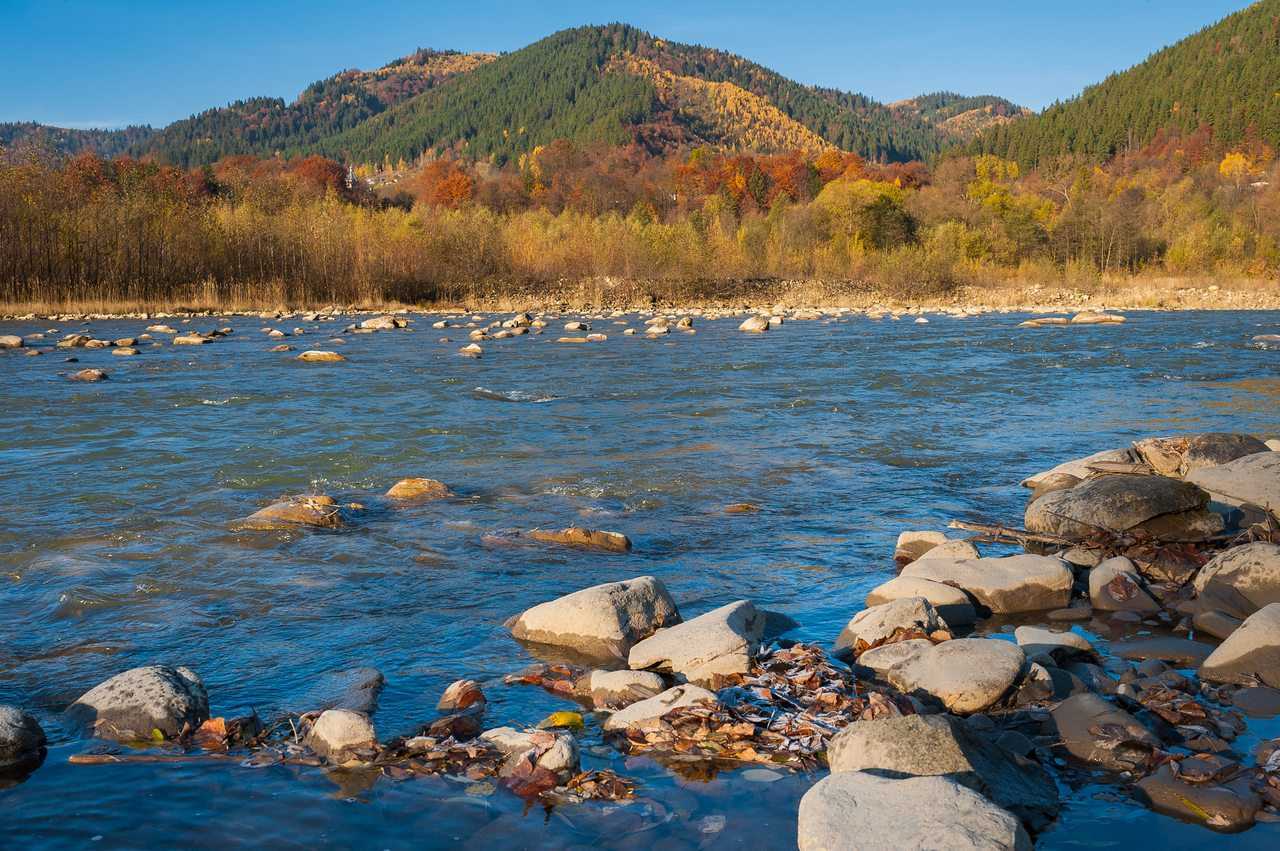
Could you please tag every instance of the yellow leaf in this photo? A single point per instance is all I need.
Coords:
(572, 720)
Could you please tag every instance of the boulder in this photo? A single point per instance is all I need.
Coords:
(1079, 468)
(953, 550)
(604, 621)
(383, 323)
(124, 351)
(1163, 508)
(353, 689)
(418, 490)
(1227, 807)
(928, 745)
(881, 659)
(869, 812)
(22, 741)
(1178, 456)
(554, 752)
(1090, 317)
(135, 704)
(88, 375)
(951, 604)
(617, 689)
(1096, 732)
(966, 674)
(658, 706)
(339, 732)
(1115, 586)
(1180, 651)
(1060, 647)
(191, 339)
(755, 324)
(1252, 480)
(471, 351)
(1020, 583)
(721, 643)
(1250, 654)
(1215, 623)
(590, 539)
(11, 341)
(462, 696)
(1241, 580)
(911, 545)
(318, 356)
(319, 511)
(880, 624)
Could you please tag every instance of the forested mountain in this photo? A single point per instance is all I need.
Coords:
(958, 116)
(1225, 77)
(63, 140)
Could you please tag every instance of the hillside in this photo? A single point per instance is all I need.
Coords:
(958, 116)
(1224, 77)
(68, 142)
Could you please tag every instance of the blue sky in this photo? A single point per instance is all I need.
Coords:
(113, 62)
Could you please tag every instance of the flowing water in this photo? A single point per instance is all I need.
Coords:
(116, 548)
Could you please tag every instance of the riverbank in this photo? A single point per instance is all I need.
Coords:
(592, 294)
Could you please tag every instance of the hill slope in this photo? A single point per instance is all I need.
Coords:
(68, 142)
(1226, 76)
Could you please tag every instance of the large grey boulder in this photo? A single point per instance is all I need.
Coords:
(966, 674)
(1116, 586)
(1241, 580)
(339, 732)
(1079, 468)
(1250, 654)
(133, 705)
(951, 604)
(1099, 733)
(604, 621)
(925, 745)
(878, 624)
(659, 705)
(864, 811)
(1252, 480)
(721, 643)
(22, 741)
(1020, 583)
(1178, 456)
(1166, 509)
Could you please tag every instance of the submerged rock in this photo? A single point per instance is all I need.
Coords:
(338, 732)
(592, 539)
(1181, 651)
(1241, 580)
(1096, 732)
(89, 375)
(22, 740)
(1021, 583)
(1166, 509)
(864, 811)
(658, 706)
(319, 511)
(135, 704)
(966, 674)
(354, 689)
(1250, 654)
(927, 745)
(878, 624)
(604, 621)
(1227, 807)
(318, 356)
(721, 643)
(1252, 480)
(418, 490)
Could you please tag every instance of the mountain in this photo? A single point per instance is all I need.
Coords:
(613, 84)
(1224, 77)
(66, 141)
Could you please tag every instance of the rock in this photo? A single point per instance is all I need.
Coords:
(951, 604)
(911, 545)
(1021, 583)
(1257, 702)
(864, 811)
(338, 732)
(471, 351)
(1241, 580)
(1115, 586)
(1080, 467)
(22, 740)
(133, 705)
(1181, 651)
(967, 674)
(604, 621)
(953, 550)
(591, 539)
(461, 695)
(89, 375)
(1096, 732)
(353, 689)
(928, 745)
(1229, 807)
(1215, 623)
(1178, 456)
(73, 341)
(11, 341)
(881, 659)
(1166, 509)
(554, 752)
(755, 324)
(723, 642)
(879, 624)
(319, 511)
(1070, 614)
(283, 347)
(658, 706)
(124, 351)
(1253, 480)
(418, 490)
(576, 326)
(317, 356)
(1250, 654)
(617, 689)
(383, 323)
(1060, 646)
(191, 340)
(1089, 317)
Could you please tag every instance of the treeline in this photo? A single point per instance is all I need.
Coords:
(1223, 77)
(251, 231)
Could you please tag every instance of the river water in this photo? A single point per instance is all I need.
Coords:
(116, 548)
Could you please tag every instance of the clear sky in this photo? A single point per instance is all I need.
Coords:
(115, 62)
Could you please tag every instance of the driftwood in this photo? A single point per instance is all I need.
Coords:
(1005, 534)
